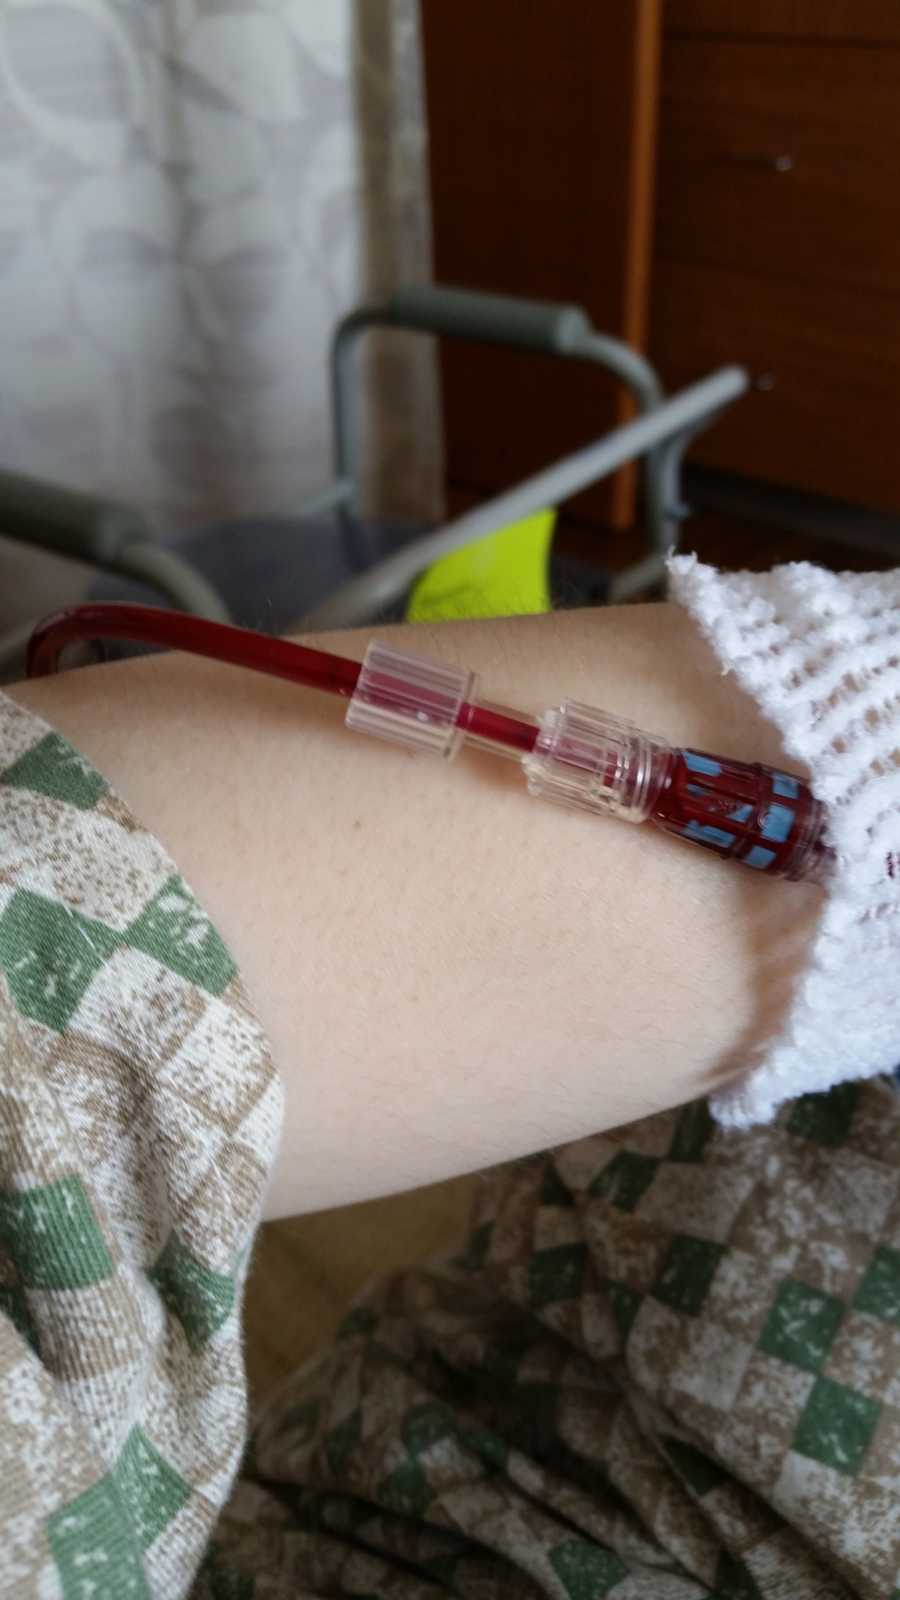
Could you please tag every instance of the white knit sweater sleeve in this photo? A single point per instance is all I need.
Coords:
(820, 653)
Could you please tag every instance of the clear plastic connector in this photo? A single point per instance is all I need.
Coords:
(410, 700)
(592, 761)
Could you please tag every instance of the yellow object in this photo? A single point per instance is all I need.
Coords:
(503, 575)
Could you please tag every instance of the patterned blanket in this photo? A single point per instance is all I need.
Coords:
(663, 1364)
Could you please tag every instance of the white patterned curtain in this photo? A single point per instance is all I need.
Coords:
(192, 192)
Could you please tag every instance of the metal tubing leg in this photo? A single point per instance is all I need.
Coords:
(363, 597)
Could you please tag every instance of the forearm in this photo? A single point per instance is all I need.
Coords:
(451, 973)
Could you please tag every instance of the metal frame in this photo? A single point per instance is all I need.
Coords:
(116, 538)
(659, 437)
(101, 533)
(663, 432)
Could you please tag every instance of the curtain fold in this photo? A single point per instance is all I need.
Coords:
(192, 192)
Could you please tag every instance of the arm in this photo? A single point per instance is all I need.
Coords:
(451, 973)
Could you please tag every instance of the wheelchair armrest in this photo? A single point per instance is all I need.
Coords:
(81, 526)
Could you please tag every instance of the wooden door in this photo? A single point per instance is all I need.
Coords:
(542, 125)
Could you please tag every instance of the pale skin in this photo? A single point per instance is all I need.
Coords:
(451, 973)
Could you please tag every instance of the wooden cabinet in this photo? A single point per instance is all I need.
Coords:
(844, 21)
(542, 125)
(829, 422)
(778, 236)
(781, 160)
(769, 148)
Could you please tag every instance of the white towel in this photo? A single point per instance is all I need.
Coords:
(820, 653)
